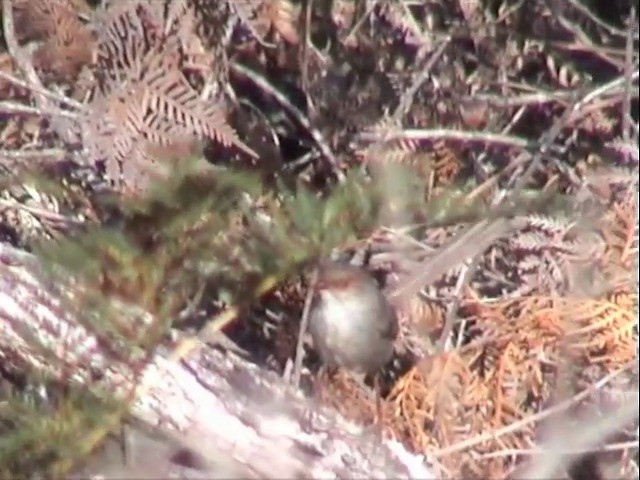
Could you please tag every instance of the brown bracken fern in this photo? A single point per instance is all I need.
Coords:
(143, 99)
(66, 42)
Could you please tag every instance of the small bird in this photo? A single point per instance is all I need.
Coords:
(351, 322)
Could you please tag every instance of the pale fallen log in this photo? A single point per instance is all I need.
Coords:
(215, 403)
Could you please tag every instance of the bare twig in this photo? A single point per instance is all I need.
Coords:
(581, 7)
(536, 98)
(586, 438)
(468, 244)
(12, 107)
(550, 135)
(618, 82)
(42, 91)
(478, 163)
(611, 447)
(39, 212)
(407, 97)
(584, 43)
(19, 54)
(360, 21)
(442, 133)
(304, 322)
(304, 71)
(628, 66)
(465, 276)
(20, 154)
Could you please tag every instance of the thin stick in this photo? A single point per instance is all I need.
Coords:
(39, 212)
(628, 65)
(407, 97)
(42, 91)
(47, 152)
(463, 279)
(307, 42)
(611, 447)
(360, 21)
(19, 54)
(450, 134)
(304, 322)
(12, 107)
(473, 241)
(377, 386)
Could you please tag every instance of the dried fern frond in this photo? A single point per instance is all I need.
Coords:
(437, 159)
(135, 27)
(67, 52)
(154, 104)
(143, 101)
(39, 19)
(66, 41)
(126, 32)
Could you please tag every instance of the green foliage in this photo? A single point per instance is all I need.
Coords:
(223, 231)
(36, 436)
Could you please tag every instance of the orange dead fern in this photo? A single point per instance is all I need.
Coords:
(507, 375)
(438, 163)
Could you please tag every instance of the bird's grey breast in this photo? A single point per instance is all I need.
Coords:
(350, 332)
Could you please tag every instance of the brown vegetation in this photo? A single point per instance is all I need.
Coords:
(454, 112)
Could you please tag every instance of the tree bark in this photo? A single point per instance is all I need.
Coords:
(216, 404)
